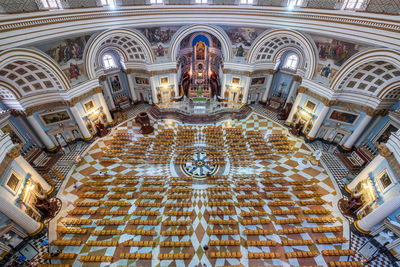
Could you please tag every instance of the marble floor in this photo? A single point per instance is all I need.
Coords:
(287, 183)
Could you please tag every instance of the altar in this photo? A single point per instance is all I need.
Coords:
(199, 105)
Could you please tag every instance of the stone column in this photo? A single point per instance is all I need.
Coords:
(107, 90)
(131, 85)
(35, 176)
(176, 87)
(295, 104)
(153, 89)
(271, 73)
(357, 132)
(376, 216)
(41, 133)
(246, 89)
(105, 108)
(296, 81)
(30, 225)
(81, 124)
(223, 84)
(318, 122)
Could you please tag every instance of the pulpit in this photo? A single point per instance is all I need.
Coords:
(143, 119)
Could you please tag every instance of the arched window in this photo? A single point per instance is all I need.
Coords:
(51, 4)
(291, 62)
(108, 61)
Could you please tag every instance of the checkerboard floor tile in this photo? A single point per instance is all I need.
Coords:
(292, 166)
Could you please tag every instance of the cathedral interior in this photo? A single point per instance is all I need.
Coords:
(199, 133)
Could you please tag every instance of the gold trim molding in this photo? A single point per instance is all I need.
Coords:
(348, 106)
(30, 110)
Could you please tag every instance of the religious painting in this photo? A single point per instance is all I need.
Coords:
(68, 53)
(89, 105)
(200, 51)
(55, 117)
(235, 80)
(343, 117)
(115, 84)
(335, 51)
(157, 35)
(242, 35)
(13, 182)
(160, 51)
(385, 180)
(142, 80)
(164, 80)
(310, 105)
(258, 81)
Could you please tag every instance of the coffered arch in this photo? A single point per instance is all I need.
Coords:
(26, 73)
(269, 45)
(131, 44)
(374, 73)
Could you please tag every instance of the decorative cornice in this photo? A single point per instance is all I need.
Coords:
(237, 72)
(17, 113)
(271, 71)
(141, 71)
(30, 110)
(349, 106)
(162, 72)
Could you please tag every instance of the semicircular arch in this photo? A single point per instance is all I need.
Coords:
(133, 44)
(216, 31)
(268, 44)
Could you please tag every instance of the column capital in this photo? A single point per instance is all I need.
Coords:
(98, 89)
(297, 78)
(129, 71)
(302, 89)
(15, 152)
(271, 71)
(369, 111)
(102, 78)
(384, 150)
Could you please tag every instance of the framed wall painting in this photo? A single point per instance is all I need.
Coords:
(54, 117)
(115, 84)
(235, 80)
(344, 117)
(385, 180)
(13, 182)
(89, 105)
(164, 80)
(142, 80)
(310, 105)
(258, 81)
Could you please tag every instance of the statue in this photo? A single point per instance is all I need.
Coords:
(143, 119)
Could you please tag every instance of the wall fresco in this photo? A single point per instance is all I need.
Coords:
(332, 53)
(159, 38)
(68, 53)
(242, 38)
